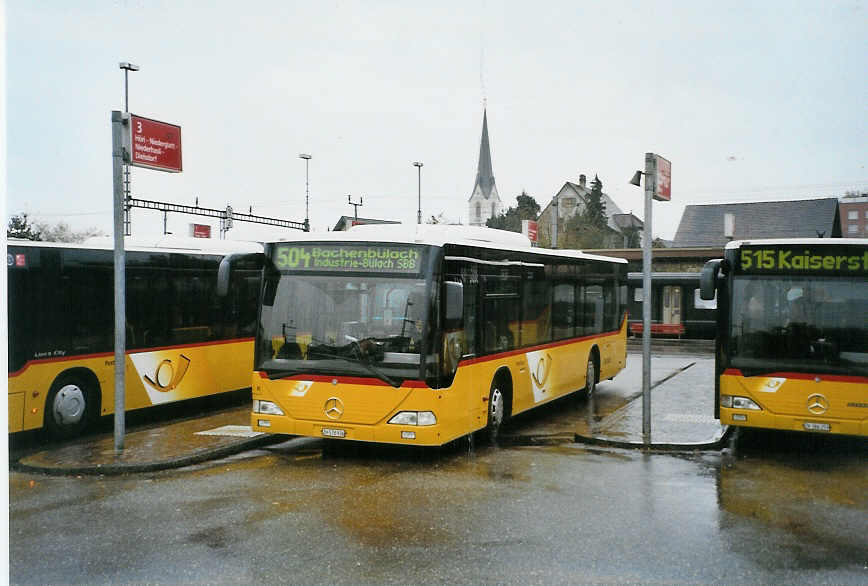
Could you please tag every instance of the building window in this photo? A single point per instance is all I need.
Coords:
(853, 215)
(478, 212)
(866, 214)
(853, 229)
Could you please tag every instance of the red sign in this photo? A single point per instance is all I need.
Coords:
(200, 230)
(664, 180)
(155, 144)
(530, 229)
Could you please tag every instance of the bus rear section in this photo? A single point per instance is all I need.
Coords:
(793, 338)
(182, 341)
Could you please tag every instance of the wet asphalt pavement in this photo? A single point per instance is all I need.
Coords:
(540, 508)
(312, 512)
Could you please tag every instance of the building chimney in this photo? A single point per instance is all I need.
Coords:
(582, 179)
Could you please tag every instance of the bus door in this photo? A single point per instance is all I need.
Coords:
(672, 305)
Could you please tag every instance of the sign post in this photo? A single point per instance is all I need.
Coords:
(658, 185)
(120, 137)
(140, 142)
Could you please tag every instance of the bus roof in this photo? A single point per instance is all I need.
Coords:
(440, 235)
(161, 243)
(790, 241)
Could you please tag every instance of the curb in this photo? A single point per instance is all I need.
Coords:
(180, 462)
(714, 444)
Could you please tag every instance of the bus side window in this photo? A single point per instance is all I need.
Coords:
(500, 313)
(536, 325)
(563, 309)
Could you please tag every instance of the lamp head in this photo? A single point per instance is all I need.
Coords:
(637, 178)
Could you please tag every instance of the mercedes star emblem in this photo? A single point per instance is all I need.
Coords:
(334, 408)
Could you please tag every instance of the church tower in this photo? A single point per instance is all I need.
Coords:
(484, 202)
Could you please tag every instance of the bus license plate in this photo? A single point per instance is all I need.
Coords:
(809, 426)
(334, 432)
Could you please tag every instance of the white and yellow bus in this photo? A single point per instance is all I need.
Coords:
(424, 334)
(792, 343)
(183, 341)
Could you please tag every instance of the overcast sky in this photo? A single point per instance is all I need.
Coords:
(748, 100)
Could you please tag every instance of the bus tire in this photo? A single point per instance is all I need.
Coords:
(591, 375)
(496, 413)
(69, 407)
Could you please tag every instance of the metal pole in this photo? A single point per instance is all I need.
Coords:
(128, 225)
(418, 166)
(307, 159)
(646, 301)
(118, 135)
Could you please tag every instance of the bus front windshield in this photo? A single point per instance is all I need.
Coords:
(345, 324)
(794, 324)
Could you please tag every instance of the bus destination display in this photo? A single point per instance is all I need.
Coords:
(348, 257)
(827, 259)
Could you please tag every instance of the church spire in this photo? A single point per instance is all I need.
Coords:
(484, 174)
(484, 201)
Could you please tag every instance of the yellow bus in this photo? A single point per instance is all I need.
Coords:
(792, 343)
(423, 334)
(182, 340)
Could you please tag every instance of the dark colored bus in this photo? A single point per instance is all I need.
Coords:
(676, 306)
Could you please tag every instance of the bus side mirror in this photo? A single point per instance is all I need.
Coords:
(228, 262)
(272, 277)
(708, 278)
(224, 273)
(454, 305)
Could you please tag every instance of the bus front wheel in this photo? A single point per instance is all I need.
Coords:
(496, 410)
(68, 408)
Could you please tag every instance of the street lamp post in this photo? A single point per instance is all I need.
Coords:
(127, 67)
(307, 159)
(418, 166)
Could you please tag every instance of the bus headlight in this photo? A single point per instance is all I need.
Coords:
(414, 418)
(266, 407)
(736, 402)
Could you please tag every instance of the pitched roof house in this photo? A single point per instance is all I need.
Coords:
(571, 199)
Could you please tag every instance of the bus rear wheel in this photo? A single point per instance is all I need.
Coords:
(69, 408)
(591, 376)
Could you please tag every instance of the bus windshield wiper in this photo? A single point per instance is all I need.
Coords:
(353, 353)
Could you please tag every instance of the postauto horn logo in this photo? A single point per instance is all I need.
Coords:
(167, 376)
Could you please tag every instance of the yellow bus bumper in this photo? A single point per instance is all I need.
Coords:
(764, 419)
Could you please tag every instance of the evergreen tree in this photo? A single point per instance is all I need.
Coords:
(526, 209)
(20, 227)
(595, 208)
